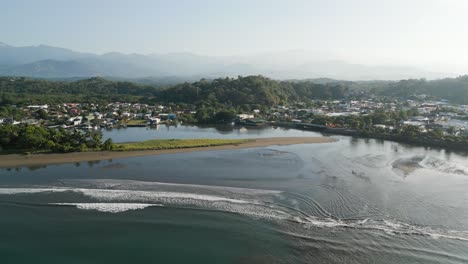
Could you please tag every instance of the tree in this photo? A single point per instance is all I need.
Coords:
(410, 131)
(108, 144)
(35, 137)
(224, 116)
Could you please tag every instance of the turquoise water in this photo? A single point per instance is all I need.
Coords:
(352, 201)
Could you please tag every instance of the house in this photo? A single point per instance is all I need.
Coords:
(126, 115)
(140, 116)
(172, 116)
(35, 107)
(421, 119)
(153, 121)
(427, 107)
(413, 123)
(74, 111)
(75, 121)
(98, 115)
(383, 126)
(167, 116)
(245, 116)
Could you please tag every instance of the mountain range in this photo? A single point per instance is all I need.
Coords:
(52, 62)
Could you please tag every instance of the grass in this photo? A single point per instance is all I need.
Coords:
(134, 122)
(159, 144)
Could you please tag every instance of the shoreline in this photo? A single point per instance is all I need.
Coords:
(17, 160)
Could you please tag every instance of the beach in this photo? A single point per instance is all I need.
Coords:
(17, 160)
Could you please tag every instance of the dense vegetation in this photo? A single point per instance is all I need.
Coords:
(19, 90)
(252, 90)
(453, 89)
(249, 90)
(30, 138)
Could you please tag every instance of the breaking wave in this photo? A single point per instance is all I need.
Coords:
(124, 195)
(108, 207)
(262, 206)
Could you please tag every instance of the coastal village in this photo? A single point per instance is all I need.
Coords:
(428, 115)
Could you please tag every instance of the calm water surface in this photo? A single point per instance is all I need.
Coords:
(352, 201)
(170, 132)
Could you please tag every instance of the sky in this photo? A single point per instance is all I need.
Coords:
(431, 33)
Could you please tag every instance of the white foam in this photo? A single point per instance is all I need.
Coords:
(10, 191)
(109, 207)
(131, 184)
(117, 200)
(127, 195)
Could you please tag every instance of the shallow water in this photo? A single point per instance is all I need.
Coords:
(352, 201)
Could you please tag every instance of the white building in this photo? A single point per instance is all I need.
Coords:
(38, 106)
(245, 116)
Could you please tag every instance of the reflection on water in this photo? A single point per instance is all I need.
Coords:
(221, 131)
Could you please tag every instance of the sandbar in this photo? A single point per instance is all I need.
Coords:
(17, 160)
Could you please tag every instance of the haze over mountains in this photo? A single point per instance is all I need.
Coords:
(52, 62)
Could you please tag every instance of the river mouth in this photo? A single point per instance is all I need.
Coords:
(305, 203)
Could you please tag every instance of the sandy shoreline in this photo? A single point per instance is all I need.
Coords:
(15, 160)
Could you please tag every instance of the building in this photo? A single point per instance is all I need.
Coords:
(36, 107)
(245, 116)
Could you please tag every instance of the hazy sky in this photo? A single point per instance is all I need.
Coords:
(412, 32)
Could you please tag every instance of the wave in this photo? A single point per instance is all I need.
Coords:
(108, 207)
(388, 226)
(115, 201)
(253, 208)
(126, 195)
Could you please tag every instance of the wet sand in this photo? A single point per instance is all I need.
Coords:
(15, 160)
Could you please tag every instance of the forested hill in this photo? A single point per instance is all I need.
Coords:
(94, 85)
(249, 90)
(229, 91)
(21, 90)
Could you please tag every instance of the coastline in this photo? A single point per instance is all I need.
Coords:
(17, 160)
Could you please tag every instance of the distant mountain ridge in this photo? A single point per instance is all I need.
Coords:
(52, 62)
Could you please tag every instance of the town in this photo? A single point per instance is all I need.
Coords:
(426, 116)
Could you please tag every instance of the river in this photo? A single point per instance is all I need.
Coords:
(351, 201)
